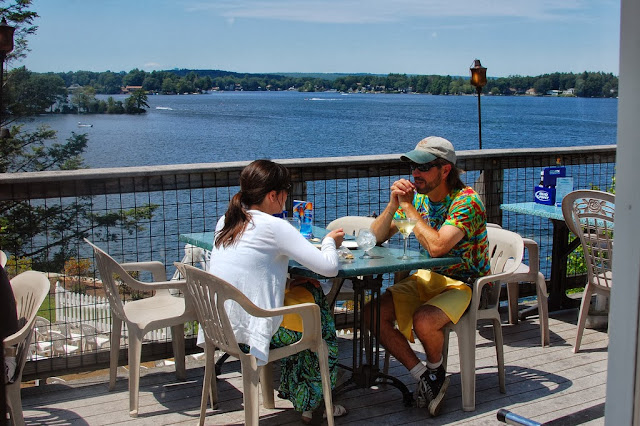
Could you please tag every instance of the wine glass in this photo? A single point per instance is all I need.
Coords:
(405, 226)
(366, 241)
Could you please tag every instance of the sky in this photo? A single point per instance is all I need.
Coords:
(442, 37)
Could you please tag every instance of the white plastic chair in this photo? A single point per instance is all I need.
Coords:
(59, 345)
(209, 294)
(529, 274)
(141, 316)
(30, 288)
(590, 216)
(351, 225)
(3, 258)
(91, 339)
(505, 250)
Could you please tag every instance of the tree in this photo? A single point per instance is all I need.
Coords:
(137, 102)
(82, 98)
(135, 77)
(23, 222)
(29, 93)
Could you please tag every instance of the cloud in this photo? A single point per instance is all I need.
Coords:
(151, 65)
(378, 11)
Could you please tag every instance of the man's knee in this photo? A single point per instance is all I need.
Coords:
(429, 317)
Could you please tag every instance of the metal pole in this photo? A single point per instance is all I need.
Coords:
(2, 57)
(479, 89)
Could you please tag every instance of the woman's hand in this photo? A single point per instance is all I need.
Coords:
(337, 235)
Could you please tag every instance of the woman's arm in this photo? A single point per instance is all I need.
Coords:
(295, 246)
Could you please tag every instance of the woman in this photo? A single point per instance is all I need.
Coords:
(251, 251)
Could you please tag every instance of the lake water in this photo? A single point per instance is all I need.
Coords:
(232, 126)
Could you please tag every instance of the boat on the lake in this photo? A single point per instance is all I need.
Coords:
(80, 124)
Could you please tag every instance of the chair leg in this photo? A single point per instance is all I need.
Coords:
(543, 309)
(209, 387)
(499, 342)
(177, 341)
(385, 366)
(323, 360)
(135, 349)
(445, 348)
(114, 350)
(250, 379)
(14, 402)
(582, 316)
(467, 349)
(512, 296)
(266, 383)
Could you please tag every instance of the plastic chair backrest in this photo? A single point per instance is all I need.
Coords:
(208, 294)
(590, 215)
(351, 224)
(3, 259)
(108, 267)
(505, 254)
(29, 288)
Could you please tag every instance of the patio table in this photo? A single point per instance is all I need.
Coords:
(366, 275)
(560, 249)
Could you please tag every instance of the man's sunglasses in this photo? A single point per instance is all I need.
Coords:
(423, 167)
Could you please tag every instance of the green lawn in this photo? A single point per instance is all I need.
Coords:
(48, 308)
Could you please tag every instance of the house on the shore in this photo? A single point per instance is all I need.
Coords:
(128, 89)
(531, 92)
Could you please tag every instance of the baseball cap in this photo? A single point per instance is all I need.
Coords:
(430, 148)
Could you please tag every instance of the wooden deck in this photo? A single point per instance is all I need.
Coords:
(544, 384)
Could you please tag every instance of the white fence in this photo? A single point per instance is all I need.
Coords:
(75, 308)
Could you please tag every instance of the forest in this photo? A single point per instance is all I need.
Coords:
(85, 84)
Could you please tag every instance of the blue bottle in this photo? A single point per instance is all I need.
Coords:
(307, 222)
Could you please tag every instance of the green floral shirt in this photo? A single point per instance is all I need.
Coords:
(464, 210)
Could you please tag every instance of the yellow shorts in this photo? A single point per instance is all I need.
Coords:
(430, 288)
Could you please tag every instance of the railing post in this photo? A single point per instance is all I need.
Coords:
(490, 188)
(298, 192)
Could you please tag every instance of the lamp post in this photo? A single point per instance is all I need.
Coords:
(478, 79)
(6, 46)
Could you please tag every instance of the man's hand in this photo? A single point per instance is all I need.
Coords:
(403, 190)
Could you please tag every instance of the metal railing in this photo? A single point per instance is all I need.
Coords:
(191, 197)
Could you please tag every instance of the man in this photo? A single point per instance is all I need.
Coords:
(451, 223)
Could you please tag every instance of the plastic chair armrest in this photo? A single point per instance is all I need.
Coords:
(534, 258)
(309, 312)
(18, 336)
(156, 268)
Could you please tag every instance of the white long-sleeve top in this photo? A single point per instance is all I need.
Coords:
(257, 265)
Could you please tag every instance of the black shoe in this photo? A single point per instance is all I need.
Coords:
(431, 389)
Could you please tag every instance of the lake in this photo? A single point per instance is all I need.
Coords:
(233, 126)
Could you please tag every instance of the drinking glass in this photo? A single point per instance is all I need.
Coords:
(405, 226)
(366, 241)
(294, 221)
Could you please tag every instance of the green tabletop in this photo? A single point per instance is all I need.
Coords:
(386, 260)
(535, 209)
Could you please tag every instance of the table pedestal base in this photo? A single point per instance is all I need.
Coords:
(366, 373)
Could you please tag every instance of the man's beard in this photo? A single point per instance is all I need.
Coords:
(427, 187)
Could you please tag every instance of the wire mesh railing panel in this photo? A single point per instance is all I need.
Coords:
(139, 215)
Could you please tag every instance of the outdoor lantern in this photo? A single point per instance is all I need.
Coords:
(478, 79)
(478, 75)
(6, 38)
